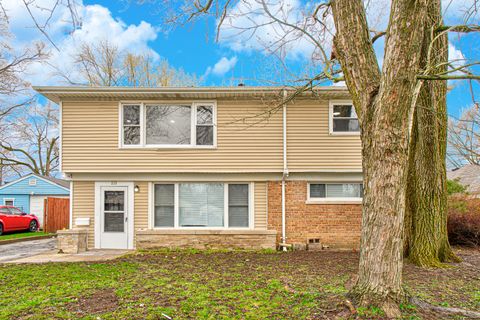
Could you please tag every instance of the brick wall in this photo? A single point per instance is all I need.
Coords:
(336, 225)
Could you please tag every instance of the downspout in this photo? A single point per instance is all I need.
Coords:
(285, 171)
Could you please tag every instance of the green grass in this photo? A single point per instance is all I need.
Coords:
(211, 284)
(18, 235)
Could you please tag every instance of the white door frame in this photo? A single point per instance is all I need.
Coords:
(129, 208)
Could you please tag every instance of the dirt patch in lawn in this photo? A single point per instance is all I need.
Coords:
(192, 284)
(100, 302)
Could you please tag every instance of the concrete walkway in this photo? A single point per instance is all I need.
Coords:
(19, 250)
(87, 256)
(42, 251)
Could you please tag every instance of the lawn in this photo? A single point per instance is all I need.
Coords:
(218, 285)
(25, 234)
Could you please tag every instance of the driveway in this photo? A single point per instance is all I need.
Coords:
(14, 251)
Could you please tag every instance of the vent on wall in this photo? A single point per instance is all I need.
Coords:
(313, 240)
(32, 182)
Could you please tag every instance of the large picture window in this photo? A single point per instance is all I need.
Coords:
(201, 205)
(343, 118)
(162, 125)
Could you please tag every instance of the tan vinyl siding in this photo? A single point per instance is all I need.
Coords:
(260, 205)
(84, 206)
(90, 142)
(141, 206)
(311, 147)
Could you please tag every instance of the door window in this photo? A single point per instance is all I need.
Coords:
(114, 211)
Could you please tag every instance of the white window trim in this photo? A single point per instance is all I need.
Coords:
(193, 125)
(330, 118)
(351, 200)
(9, 199)
(151, 207)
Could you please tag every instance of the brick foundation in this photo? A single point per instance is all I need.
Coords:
(337, 226)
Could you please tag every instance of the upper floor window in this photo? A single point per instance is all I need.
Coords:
(343, 118)
(168, 125)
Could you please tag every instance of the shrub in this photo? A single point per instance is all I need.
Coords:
(453, 186)
(464, 221)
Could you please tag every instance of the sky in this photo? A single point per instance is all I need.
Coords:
(235, 58)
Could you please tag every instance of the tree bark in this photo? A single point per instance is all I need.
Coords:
(426, 240)
(383, 101)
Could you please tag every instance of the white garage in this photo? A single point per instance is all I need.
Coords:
(36, 207)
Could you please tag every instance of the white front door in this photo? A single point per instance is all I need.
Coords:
(114, 206)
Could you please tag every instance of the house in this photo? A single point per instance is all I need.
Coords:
(469, 176)
(236, 167)
(29, 192)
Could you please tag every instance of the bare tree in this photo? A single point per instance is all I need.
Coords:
(32, 142)
(13, 63)
(464, 137)
(103, 64)
(426, 239)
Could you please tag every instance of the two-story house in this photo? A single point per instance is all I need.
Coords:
(211, 166)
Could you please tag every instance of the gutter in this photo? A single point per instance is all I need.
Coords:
(283, 244)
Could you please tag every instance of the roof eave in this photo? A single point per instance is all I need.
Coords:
(59, 93)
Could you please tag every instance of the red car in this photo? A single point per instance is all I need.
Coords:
(14, 219)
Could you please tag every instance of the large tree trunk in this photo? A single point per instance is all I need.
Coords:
(426, 240)
(383, 101)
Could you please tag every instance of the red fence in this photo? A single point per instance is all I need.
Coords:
(56, 214)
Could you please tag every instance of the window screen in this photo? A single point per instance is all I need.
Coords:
(345, 119)
(238, 205)
(164, 205)
(131, 124)
(204, 125)
(336, 190)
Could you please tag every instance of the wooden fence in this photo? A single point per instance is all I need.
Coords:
(56, 214)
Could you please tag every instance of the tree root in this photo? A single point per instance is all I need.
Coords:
(446, 310)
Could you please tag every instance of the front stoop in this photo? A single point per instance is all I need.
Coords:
(72, 240)
(206, 239)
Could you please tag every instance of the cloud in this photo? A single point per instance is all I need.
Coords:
(454, 53)
(223, 66)
(97, 24)
(248, 27)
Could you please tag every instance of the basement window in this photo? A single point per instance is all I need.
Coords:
(335, 191)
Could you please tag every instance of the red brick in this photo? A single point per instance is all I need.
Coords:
(336, 225)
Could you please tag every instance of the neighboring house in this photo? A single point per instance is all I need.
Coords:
(209, 167)
(469, 176)
(29, 192)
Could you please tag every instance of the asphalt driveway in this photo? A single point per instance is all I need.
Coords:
(14, 251)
